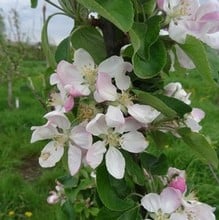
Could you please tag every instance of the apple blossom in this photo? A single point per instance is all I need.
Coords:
(58, 128)
(175, 89)
(115, 132)
(164, 205)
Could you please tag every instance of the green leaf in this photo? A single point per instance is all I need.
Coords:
(34, 3)
(150, 55)
(63, 51)
(148, 68)
(180, 107)
(106, 193)
(120, 13)
(91, 40)
(68, 181)
(196, 51)
(200, 146)
(45, 42)
(133, 169)
(68, 210)
(149, 6)
(156, 165)
(131, 214)
(161, 139)
(148, 99)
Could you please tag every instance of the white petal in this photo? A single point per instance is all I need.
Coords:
(183, 58)
(178, 216)
(192, 124)
(59, 119)
(151, 202)
(143, 113)
(68, 74)
(54, 79)
(43, 132)
(74, 159)
(82, 59)
(95, 154)
(170, 199)
(112, 66)
(197, 114)
(114, 117)
(134, 142)
(107, 91)
(115, 163)
(80, 136)
(51, 154)
(98, 97)
(97, 125)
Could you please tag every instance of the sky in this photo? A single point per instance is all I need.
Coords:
(31, 20)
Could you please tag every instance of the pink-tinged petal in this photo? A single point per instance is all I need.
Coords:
(97, 125)
(183, 58)
(115, 163)
(59, 119)
(68, 74)
(114, 117)
(74, 159)
(192, 124)
(80, 136)
(51, 154)
(98, 97)
(208, 11)
(170, 199)
(69, 104)
(178, 183)
(130, 125)
(53, 198)
(107, 91)
(172, 87)
(43, 132)
(77, 90)
(160, 3)
(112, 66)
(197, 114)
(95, 154)
(143, 113)
(54, 79)
(178, 216)
(151, 202)
(82, 59)
(133, 142)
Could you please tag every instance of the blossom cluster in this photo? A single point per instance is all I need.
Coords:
(106, 120)
(185, 17)
(173, 203)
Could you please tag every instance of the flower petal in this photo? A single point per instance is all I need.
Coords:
(81, 137)
(115, 163)
(105, 88)
(74, 159)
(51, 154)
(82, 59)
(97, 125)
(151, 202)
(59, 119)
(133, 142)
(143, 113)
(43, 132)
(170, 200)
(114, 117)
(112, 66)
(95, 154)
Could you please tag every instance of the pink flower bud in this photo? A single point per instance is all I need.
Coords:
(178, 183)
(53, 198)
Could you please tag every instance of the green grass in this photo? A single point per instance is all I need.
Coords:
(24, 186)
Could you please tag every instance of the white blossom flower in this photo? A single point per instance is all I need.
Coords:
(115, 132)
(164, 205)
(58, 128)
(175, 89)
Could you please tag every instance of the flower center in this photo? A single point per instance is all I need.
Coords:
(86, 112)
(90, 76)
(112, 139)
(125, 99)
(61, 138)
